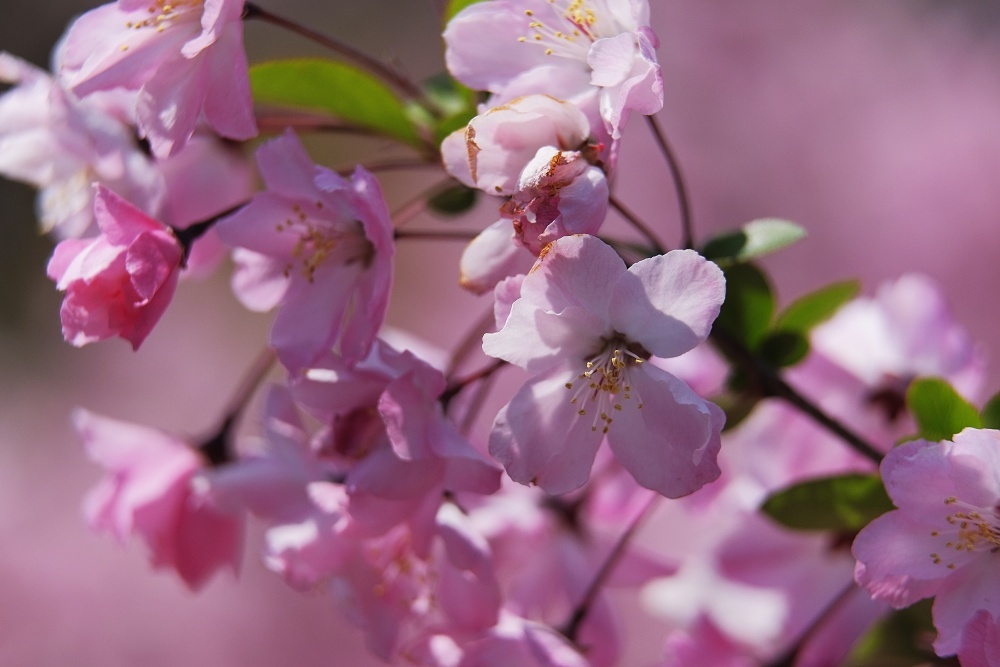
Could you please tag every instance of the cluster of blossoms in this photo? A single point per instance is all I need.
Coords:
(368, 472)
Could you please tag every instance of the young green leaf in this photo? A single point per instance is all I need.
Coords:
(749, 305)
(784, 348)
(842, 503)
(991, 412)
(454, 200)
(755, 239)
(455, 6)
(813, 308)
(940, 412)
(337, 89)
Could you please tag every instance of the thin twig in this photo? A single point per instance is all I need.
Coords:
(637, 222)
(379, 69)
(188, 235)
(435, 234)
(771, 384)
(789, 657)
(583, 608)
(683, 202)
(418, 204)
(455, 386)
(472, 340)
(217, 447)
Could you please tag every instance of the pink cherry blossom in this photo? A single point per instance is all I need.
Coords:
(62, 146)
(185, 59)
(598, 54)
(389, 427)
(120, 283)
(864, 357)
(322, 249)
(155, 488)
(584, 326)
(942, 541)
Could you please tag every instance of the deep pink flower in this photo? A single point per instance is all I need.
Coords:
(584, 326)
(943, 539)
(120, 283)
(155, 489)
(597, 54)
(185, 59)
(322, 248)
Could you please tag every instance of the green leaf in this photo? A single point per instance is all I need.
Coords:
(842, 503)
(755, 239)
(454, 200)
(784, 348)
(455, 6)
(749, 305)
(991, 412)
(815, 307)
(900, 639)
(336, 89)
(939, 410)
(456, 103)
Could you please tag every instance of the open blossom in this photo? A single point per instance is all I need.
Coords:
(584, 326)
(185, 59)
(864, 358)
(598, 54)
(386, 421)
(120, 283)
(320, 247)
(944, 538)
(154, 489)
(63, 145)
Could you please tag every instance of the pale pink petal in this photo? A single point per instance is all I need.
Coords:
(668, 303)
(259, 281)
(491, 257)
(482, 45)
(894, 546)
(974, 587)
(576, 270)
(540, 438)
(307, 323)
(670, 445)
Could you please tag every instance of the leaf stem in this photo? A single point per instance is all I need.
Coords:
(683, 201)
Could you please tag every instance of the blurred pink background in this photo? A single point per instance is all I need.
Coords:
(875, 124)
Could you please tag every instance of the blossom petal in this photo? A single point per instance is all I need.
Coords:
(540, 438)
(671, 444)
(668, 303)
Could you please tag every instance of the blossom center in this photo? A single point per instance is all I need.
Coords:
(575, 24)
(970, 528)
(604, 387)
(343, 242)
(162, 13)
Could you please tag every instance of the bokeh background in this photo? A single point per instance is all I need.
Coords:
(873, 123)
